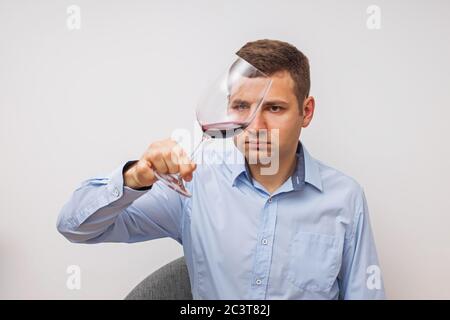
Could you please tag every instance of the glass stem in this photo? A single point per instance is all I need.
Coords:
(194, 152)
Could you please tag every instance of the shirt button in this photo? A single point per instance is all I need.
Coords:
(258, 281)
(270, 200)
(264, 241)
(115, 192)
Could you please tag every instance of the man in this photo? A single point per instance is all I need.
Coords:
(302, 232)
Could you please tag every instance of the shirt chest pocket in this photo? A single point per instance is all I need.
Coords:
(314, 261)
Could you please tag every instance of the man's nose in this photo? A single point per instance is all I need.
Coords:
(258, 122)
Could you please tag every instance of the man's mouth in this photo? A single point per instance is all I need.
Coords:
(257, 143)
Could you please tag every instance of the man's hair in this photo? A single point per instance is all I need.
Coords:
(271, 56)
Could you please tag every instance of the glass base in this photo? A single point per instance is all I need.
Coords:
(174, 182)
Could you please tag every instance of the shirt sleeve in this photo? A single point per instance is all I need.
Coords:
(102, 209)
(360, 274)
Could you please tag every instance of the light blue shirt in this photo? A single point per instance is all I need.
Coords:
(310, 239)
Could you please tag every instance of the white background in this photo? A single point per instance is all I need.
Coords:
(78, 103)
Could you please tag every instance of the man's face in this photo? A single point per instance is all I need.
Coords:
(276, 128)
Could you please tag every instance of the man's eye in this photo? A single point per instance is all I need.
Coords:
(275, 108)
(240, 107)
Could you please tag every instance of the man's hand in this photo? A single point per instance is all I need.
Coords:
(164, 156)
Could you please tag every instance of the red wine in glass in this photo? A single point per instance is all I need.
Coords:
(224, 129)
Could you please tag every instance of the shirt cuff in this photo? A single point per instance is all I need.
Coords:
(118, 192)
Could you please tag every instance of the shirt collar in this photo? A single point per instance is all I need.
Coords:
(312, 170)
(306, 171)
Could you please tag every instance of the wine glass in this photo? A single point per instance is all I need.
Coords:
(226, 108)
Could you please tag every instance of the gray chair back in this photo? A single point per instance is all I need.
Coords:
(170, 282)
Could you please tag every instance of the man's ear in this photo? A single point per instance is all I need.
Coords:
(308, 110)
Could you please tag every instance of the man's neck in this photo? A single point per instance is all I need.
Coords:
(273, 182)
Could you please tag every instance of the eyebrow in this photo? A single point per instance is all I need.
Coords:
(274, 102)
(265, 103)
(240, 101)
